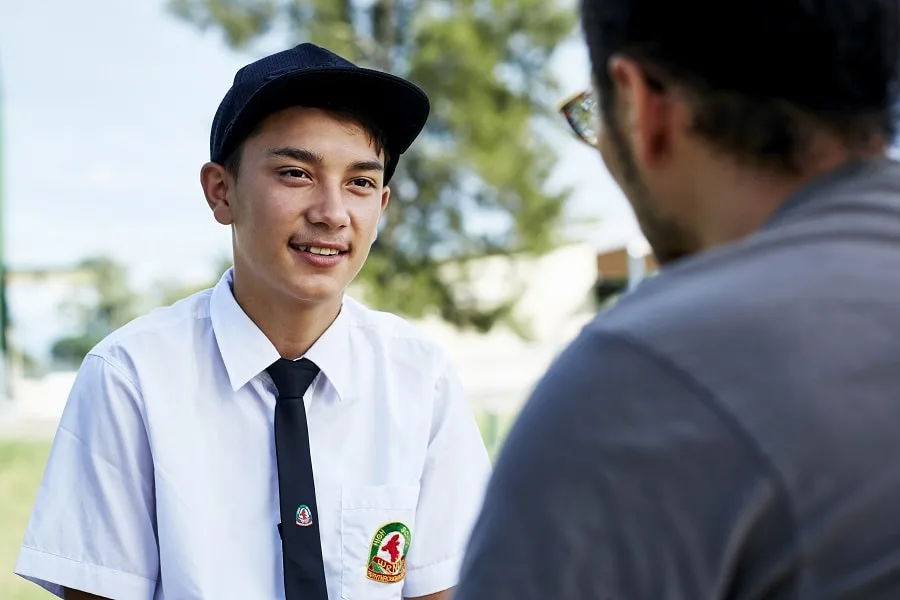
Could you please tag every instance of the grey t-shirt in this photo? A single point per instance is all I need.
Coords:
(731, 429)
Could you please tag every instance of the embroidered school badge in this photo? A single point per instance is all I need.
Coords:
(304, 516)
(387, 556)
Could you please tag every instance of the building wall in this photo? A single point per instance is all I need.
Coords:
(615, 263)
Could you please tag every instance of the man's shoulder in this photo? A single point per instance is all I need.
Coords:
(778, 314)
(759, 287)
(685, 300)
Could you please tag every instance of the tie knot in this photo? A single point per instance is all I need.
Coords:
(292, 377)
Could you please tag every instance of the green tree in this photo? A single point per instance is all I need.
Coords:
(108, 304)
(167, 293)
(475, 183)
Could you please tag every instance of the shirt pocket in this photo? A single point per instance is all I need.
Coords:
(377, 527)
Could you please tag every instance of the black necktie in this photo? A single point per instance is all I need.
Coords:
(304, 571)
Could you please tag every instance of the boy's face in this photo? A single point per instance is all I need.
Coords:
(305, 205)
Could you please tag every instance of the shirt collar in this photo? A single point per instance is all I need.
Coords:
(831, 183)
(247, 352)
(331, 353)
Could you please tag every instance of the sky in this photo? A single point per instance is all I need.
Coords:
(106, 113)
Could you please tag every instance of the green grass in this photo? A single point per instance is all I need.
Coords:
(21, 467)
(494, 429)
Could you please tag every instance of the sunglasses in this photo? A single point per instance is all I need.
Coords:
(581, 112)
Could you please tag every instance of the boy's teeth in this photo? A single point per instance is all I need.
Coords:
(322, 251)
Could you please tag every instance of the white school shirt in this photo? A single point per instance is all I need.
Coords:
(162, 480)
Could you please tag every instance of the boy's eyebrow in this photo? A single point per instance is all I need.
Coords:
(300, 154)
(308, 156)
(367, 165)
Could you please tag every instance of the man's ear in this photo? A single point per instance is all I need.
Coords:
(216, 183)
(647, 120)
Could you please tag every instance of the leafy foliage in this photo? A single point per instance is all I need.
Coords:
(109, 304)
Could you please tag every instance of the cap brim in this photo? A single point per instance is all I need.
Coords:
(398, 106)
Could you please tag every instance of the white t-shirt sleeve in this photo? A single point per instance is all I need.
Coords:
(456, 472)
(92, 527)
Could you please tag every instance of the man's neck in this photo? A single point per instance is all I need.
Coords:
(735, 201)
(292, 327)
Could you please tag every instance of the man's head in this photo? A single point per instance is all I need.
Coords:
(699, 98)
(302, 149)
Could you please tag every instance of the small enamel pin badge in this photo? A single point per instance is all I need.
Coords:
(304, 516)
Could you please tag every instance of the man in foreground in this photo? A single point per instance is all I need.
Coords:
(729, 429)
(271, 438)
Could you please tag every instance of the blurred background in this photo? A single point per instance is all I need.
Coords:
(503, 238)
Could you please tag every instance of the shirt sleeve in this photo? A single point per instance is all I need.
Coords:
(92, 527)
(621, 479)
(455, 475)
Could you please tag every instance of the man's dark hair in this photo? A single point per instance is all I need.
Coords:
(232, 163)
(762, 76)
